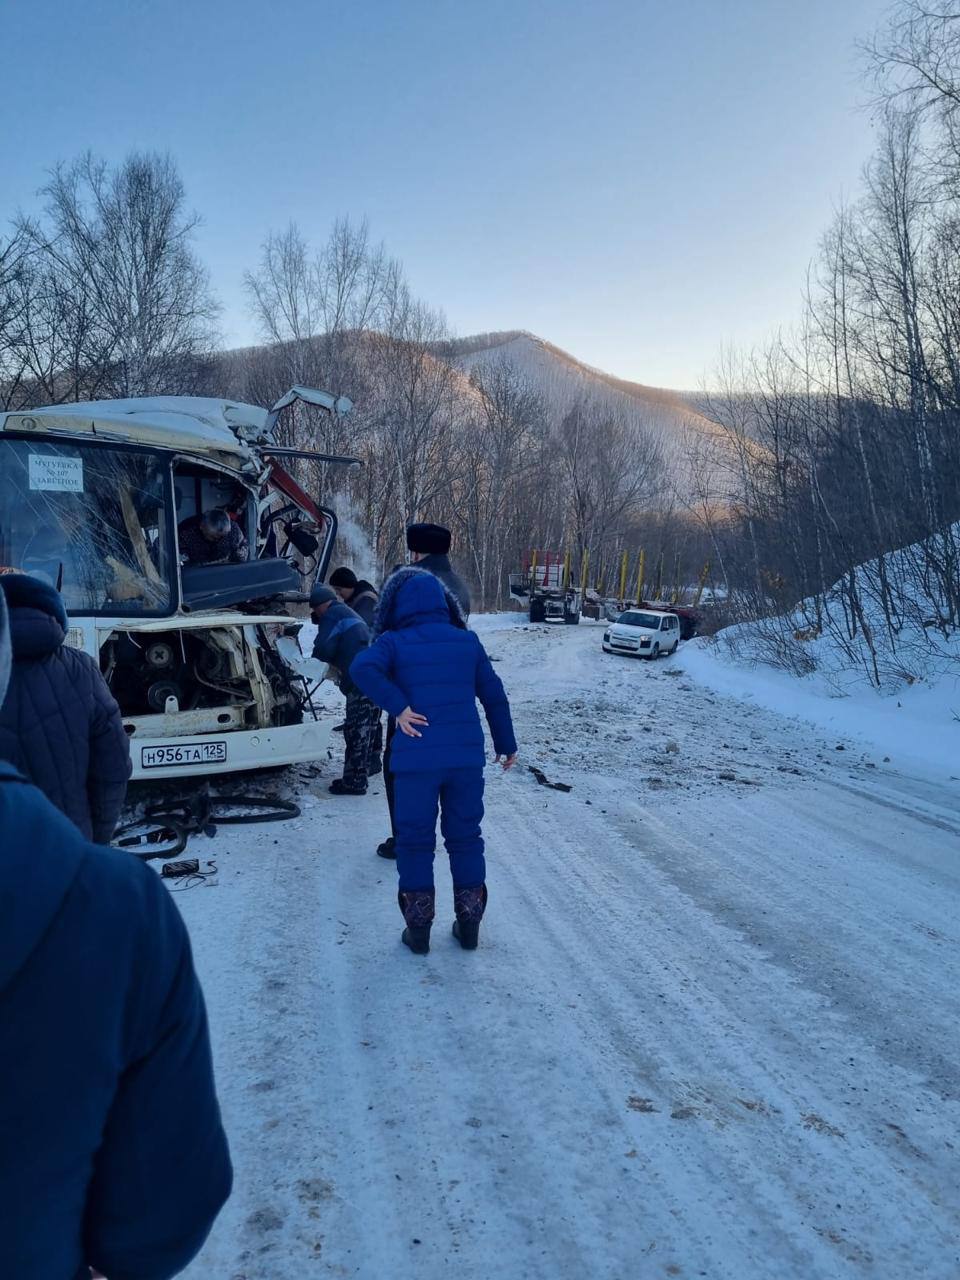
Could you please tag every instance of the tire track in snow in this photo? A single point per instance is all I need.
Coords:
(682, 1171)
(772, 1082)
(826, 895)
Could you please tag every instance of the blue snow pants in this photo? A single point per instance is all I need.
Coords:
(458, 793)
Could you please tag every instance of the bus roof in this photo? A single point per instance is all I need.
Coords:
(224, 431)
(202, 425)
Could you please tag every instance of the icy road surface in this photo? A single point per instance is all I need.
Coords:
(712, 1029)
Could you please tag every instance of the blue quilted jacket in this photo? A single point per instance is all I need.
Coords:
(341, 635)
(425, 658)
(59, 724)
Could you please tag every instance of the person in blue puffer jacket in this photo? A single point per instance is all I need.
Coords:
(427, 670)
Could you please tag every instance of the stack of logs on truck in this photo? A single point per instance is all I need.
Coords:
(548, 588)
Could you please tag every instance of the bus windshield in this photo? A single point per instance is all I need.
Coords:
(90, 519)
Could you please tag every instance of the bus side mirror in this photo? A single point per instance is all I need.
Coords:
(304, 541)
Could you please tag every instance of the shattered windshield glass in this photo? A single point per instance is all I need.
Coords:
(89, 519)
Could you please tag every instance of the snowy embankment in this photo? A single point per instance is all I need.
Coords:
(915, 727)
(710, 1030)
(875, 661)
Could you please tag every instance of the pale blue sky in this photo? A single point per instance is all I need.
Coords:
(639, 182)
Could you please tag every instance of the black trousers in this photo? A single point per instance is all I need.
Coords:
(376, 741)
(388, 780)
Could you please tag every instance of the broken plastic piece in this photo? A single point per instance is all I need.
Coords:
(544, 781)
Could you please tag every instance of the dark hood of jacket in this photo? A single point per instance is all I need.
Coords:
(38, 619)
(412, 597)
(59, 723)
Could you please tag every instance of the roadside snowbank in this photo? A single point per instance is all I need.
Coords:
(875, 659)
(918, 726)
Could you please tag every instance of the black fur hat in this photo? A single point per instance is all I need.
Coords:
(428, 539)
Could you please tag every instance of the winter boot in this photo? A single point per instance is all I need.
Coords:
(388, 848)
(417, 908)
(469, 905)
(340, 787)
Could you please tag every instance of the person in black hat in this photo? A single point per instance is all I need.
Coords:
(429, 545)
(359, 594)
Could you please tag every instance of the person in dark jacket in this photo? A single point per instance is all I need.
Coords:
(427, 670)
(362, 598)
(341, 636)
(429, 547)
(60, 725)
(359, 594)
(113, 1155)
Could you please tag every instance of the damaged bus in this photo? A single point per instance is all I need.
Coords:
(203, 657)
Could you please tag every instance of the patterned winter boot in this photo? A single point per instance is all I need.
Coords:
(469, 905)
(417, 908)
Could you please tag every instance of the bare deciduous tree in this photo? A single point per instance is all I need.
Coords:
(112, 298)
(13, 254)
(848, 492)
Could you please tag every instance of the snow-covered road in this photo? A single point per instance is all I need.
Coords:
(712, 1029)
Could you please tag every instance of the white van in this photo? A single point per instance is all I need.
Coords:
(643, 633)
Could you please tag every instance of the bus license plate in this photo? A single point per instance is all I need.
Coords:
(183, 753)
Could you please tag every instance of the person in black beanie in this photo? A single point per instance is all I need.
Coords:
(429, 547)
(359, 594)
